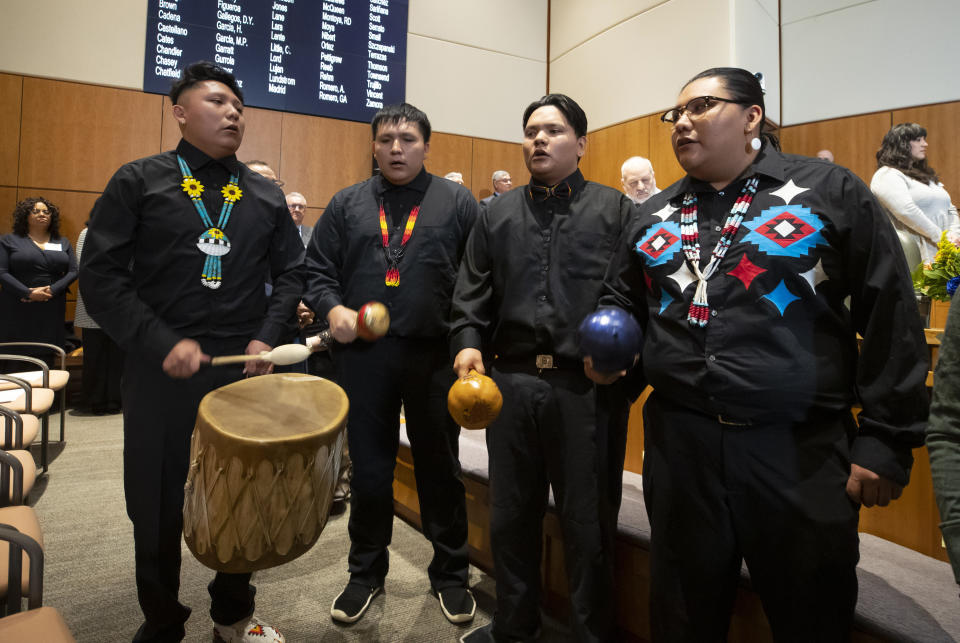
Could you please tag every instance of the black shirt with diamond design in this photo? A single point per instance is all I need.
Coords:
(781, 343)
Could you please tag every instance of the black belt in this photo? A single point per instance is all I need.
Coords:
(724, 418)
(754, 417)
(538, 363)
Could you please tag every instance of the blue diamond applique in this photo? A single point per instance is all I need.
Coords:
(785, 231)
(660, 244)
(781, 297)
(665, 300)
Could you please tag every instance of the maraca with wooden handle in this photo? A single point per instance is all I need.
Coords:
(373, 322)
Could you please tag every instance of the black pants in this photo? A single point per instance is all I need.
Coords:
(102, 366)
(158, 418)
(378, 377)
(557, 429)
(771, 495)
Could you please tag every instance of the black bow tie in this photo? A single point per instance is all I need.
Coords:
(542, 193)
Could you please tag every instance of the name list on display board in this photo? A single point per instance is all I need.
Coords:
(339, 58)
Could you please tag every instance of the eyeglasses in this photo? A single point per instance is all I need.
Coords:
(296, 206)
(695, 108)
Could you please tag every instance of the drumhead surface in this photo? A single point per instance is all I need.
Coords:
(280, 407)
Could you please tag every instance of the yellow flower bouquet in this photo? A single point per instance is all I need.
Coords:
(939, 279)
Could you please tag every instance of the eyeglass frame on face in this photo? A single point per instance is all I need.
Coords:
(296, 206)
(685, 109)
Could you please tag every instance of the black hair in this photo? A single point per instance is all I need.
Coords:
(202, 71)
(395, 114)
(743, 87)
(895, 152)
(22, 212)
(567, 106)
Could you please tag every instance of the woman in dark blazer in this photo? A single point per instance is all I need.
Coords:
(37, 266)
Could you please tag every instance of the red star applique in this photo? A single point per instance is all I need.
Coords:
(746, 271)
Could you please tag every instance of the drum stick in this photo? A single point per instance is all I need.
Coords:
(281, 355)
(321, 341)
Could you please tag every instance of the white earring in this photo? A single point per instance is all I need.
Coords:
(755, 143)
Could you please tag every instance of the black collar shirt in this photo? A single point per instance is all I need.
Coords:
(141, 267)
(781, 344)
(533, 269)
(347, 265)
(399, 200)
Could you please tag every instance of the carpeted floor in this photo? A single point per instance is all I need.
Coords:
(89, 573)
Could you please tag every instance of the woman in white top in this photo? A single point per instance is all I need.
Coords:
(102, 358)
(911, 191)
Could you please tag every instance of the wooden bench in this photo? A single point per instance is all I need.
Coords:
(904, 595)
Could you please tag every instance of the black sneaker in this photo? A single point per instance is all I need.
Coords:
(353, 602)
(457, 604)
(483, 634)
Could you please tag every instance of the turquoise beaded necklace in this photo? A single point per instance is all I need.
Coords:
(213, 242)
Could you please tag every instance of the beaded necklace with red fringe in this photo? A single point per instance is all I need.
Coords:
(394, 256)
(699, 311)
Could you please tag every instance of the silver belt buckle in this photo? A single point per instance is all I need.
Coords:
(730, 422)
(545, 361)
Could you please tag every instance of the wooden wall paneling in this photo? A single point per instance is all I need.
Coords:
(942, 123)
(854, 141)
(633, 460)
(11, 93)
(74, 136)
(261, 137)
(665, 165)
(312, 215)
(938, 314)
(169, 128)
(609, 147)
(490, 156)
(478, 524)
(633, 592)
(320, 156)
(8, 201)
(451, 153)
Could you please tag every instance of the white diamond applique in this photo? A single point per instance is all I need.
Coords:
(658, 243)
(664, 213)
(815, 276)
(787, 191)
(785, 228)
(683, 276)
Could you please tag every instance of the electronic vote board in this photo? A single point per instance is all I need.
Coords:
(338, 58)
